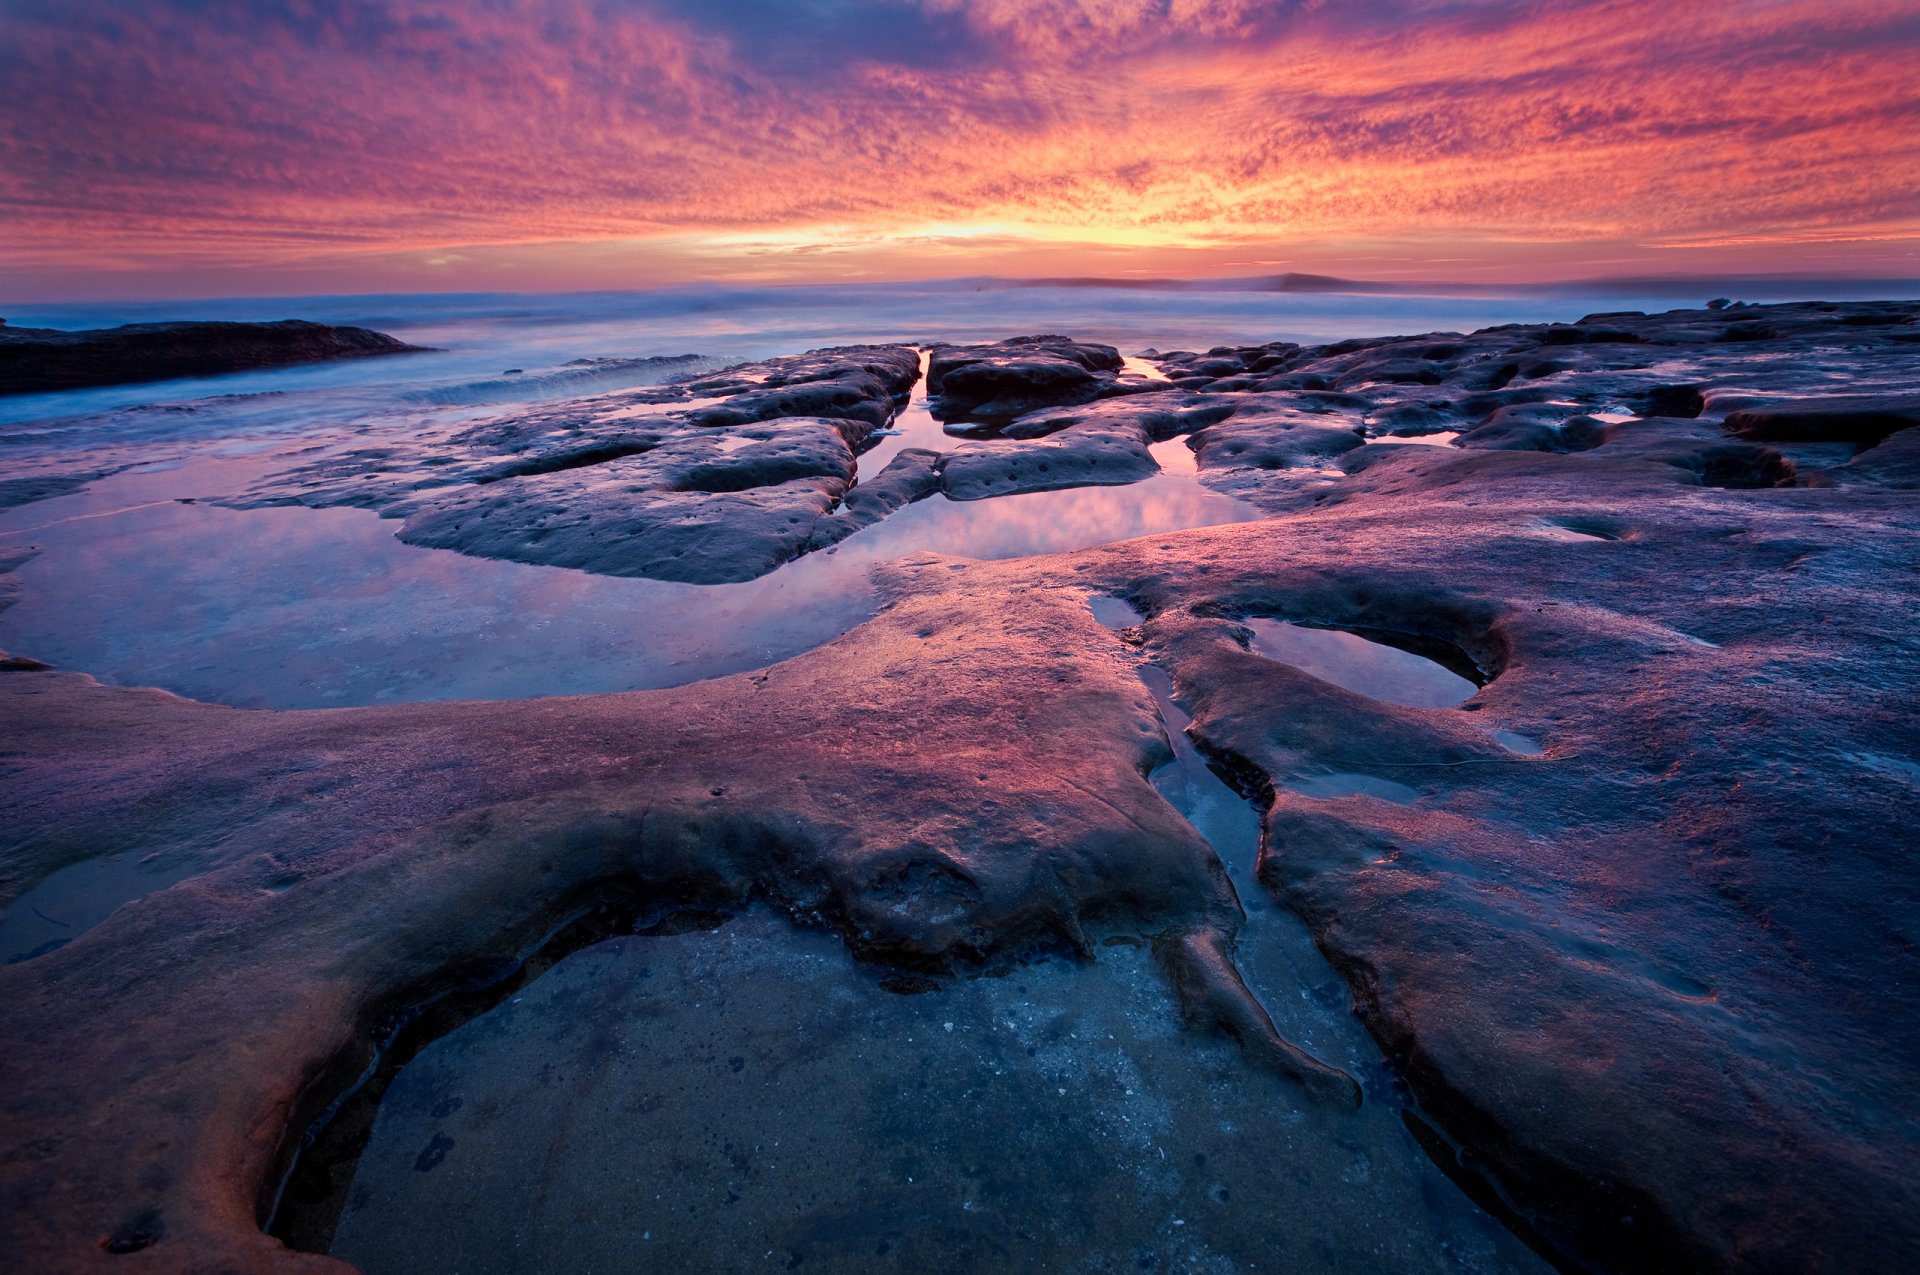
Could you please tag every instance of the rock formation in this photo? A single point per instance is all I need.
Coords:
(1651, 979)
(37, 359)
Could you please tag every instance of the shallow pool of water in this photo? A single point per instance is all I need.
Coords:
(751, 1098)
(67, 903)
(1443, 438)
(1370, 668)
(300, 608)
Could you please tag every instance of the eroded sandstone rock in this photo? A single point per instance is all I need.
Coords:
(712, 480)
(1653, 973)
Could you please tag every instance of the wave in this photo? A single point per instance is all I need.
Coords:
(571, 379)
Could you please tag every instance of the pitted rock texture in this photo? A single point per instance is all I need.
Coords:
(1800, 388)
(721, 478)
(37, 359)
(1020, 374)
(1655, 978)
(1742, 396)
(702, 507)
(1106, 443)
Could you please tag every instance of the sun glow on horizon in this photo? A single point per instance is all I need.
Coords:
(562, 142)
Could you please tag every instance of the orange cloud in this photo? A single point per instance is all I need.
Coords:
(221, 136)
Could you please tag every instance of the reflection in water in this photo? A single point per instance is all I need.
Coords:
(1443, 438)
(1114, 613)
(913, 426)
(1344, 784)
(1175, 456)
(1521, 745)
(66, 904)
(1228, 821)
(1366, 668)
(751, 1098)
(292, 607)
(1143, 367)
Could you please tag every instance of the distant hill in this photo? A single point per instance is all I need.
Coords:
(38, 359)
(1290, 282)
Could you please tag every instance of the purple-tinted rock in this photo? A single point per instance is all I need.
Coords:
(1020, 374)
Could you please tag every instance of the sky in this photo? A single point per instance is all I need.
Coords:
(223, 147)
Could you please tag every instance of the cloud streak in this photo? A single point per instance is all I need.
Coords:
(224, 135)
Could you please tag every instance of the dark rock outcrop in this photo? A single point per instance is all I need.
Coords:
(36, 359)
(1274, 424)
(1861, 420)
(692, 509)
(1017, 375)
(1094, 452)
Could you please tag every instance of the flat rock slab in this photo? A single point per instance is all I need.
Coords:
(718, 479)
(1650, 978)
(702, 508)
(34, 360)
(1092, 453)
(1055, 1117)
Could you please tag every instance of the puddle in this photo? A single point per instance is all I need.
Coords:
(67, 903)
(1364, 666)
(1444, 438)
(301, 608)
(1175, 457)
(1227, 820)
(1519, 745)
(912, 426)
(1325, 787)
(1143, 367)
(750, 1098)
(1114, 613)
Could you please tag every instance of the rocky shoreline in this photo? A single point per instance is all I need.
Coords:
(1650, 979)
(36, 360)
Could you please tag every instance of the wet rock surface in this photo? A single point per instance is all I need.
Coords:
(1019, 374)
(1633, 923)
(709, 480)
(699, 508)
(1053, 1117)
(606, 484)
(38, 359)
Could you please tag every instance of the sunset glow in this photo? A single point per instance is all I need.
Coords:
(287, 145)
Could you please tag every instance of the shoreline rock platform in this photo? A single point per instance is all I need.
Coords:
(1651, 977)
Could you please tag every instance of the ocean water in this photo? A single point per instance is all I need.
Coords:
(485, 334)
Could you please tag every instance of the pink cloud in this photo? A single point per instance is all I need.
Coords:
(229, 134)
